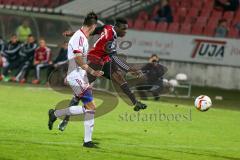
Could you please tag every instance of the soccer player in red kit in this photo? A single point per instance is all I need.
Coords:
(104, 56)
(41, 59)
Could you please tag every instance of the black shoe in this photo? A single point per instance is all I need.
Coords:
(90, 144)
(62, 125)
(52, 118)
(139, 106)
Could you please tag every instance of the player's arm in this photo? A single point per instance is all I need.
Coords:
(124, 66)
(79, 60)
(68, 33)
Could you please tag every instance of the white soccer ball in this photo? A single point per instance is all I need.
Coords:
(203, 103)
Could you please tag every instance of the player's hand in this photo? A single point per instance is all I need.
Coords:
(36, 62)
(67, 33)
(98, 73)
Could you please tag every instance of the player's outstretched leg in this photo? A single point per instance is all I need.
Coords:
(70, 111)
(63, 124)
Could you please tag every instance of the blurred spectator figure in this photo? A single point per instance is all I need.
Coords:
(23, 31)
(26, 55)
(227, 5)
(42, 60)
(11, 57)
(164, 14)
(154, 72)
(1, 51)
(61, 59)
(222, 29)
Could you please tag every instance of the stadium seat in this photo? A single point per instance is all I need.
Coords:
(202, 20)
(228, 15)
(162, 27)
(208, 4)
(176, 18)
(209, 31)
(193, 12)
(150, 25)
(185, 28)
(212, 22)
(197, 3)
(205, 12)
(185, 4)
(139, 24)
(217, 14)
(233, 33)
(130, 23)
(197, 30)
(173, 27)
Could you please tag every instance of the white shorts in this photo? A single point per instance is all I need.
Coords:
(78, 81)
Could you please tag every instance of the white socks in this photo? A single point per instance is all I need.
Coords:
(88, 125)
(88, 118)
(70, 111)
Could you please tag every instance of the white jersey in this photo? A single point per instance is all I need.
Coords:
(78, 44)
(77, 77)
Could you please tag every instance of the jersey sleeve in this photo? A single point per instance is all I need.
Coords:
(77, 45)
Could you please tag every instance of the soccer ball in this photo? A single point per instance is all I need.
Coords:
(203, 103)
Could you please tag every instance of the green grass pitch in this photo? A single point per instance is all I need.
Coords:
(210, 135)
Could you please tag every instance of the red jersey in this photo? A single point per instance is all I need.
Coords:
(106, 44)
(42, 54)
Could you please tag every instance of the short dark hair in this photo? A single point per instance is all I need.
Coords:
(120, 21)
(90, 19)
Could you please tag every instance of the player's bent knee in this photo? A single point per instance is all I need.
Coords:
(90, 106)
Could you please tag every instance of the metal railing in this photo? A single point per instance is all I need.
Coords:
(125, 7)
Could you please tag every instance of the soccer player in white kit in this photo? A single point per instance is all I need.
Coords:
(77, 79)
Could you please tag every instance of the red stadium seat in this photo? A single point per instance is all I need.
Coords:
(205, 12)
(162, 27)
(130, 23)
(208, 4)
(212, 22)
(139, 24)
(197, 30)
(209, 31)
(193, 12)
(185, 28)
(150, 25)
(185, 3)
(228, 15)
(173, 27)
(202, 20)
(174, 3)
(197, 3)
(176, 18)
(233, 33)
(217, 14)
